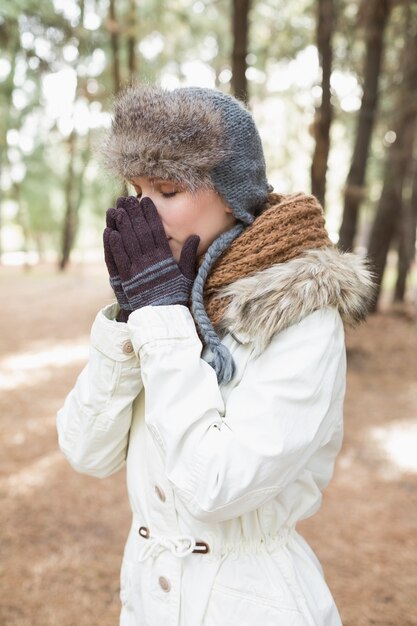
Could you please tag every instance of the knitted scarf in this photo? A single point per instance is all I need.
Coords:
(286, 226)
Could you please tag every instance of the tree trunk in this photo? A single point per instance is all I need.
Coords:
(82, 12)
(131, 41)
(71, 214)
(389, 210)
(115, 46)
(323, 115)
(21, 219)
(74, 196)
(240, 25)
(407, 241)
(375, 14)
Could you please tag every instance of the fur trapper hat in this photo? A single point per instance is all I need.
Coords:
(196, 136)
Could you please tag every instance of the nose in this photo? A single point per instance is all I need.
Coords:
(148, 204)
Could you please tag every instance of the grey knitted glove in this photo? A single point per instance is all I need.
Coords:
(149, 274)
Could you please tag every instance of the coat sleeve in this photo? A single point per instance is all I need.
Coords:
(222, 460)
(93, 424)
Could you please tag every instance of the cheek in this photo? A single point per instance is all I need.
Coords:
(168, 210)
(211, 223)
(182, 219)
(198, 218)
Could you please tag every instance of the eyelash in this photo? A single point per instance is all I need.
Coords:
(165, 195)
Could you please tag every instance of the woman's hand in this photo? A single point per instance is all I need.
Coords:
(149, 274)
(115, 281)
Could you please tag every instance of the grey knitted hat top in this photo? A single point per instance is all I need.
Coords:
(198, 137)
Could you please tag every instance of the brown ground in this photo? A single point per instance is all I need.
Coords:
(62, 533)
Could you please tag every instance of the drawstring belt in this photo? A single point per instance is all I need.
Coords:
(180, 546)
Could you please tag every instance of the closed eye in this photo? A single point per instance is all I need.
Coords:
(171, 194)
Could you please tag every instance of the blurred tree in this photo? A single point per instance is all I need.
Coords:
(28, 62)
(323, 115)
(132, 36)
(407, 234)
(373, 18)
(124, 67)
(387, 222)
(77, 157)
(240, 27)
(114, 28)
(74, 186)
(39, 213)
(9, 40)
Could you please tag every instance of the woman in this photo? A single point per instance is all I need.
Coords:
(218, 376)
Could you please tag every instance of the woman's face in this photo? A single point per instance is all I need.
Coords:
(183, 213)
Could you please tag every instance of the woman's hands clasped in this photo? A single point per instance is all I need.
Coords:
(141, 266)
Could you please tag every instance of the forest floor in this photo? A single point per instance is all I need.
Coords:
(62, 533)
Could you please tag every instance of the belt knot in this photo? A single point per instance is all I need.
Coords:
(178, 546)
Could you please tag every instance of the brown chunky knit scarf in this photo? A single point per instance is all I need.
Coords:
(286, 226)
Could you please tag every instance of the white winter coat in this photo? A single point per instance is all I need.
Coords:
(233, 468)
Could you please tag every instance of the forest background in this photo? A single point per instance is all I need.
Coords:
(332, 85)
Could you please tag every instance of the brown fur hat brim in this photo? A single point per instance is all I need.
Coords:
(172, 135)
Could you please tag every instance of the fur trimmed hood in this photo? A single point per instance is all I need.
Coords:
(282, 295)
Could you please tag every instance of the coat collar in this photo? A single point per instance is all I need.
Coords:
(282, 295)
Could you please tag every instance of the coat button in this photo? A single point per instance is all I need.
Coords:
(127, 347)
(165, 584)
(160, 493)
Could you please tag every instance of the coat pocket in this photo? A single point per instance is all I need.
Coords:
(254, 588)
(228, 606)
